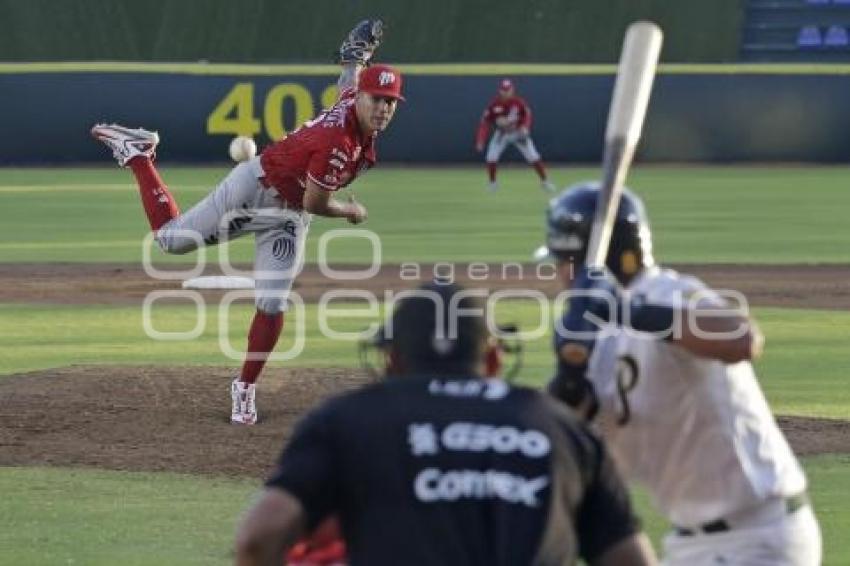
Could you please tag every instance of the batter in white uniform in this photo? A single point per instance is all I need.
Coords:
(682, 408)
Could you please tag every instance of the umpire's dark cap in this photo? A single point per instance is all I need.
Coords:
(430, 333)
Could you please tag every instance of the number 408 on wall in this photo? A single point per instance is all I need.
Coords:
(235, 115)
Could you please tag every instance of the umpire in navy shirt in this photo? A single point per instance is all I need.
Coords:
(440, 464)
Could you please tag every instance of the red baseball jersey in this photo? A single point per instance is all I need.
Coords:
(506, 115)
(329, 150)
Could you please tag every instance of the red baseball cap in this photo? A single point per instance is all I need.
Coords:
(506, 84)
(381, 80)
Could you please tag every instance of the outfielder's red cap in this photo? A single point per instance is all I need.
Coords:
(506, 84)
(381, 80)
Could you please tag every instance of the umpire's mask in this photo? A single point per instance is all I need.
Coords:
(437, 328)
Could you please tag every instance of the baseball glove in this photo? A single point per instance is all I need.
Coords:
(362, 42)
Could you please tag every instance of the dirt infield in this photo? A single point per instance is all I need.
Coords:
(153, 419)
(796, 286)
(176, 419)
(167, 419)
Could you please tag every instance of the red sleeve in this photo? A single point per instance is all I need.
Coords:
(483, 127)
(323, 546)
(525, 121)
(327, 165)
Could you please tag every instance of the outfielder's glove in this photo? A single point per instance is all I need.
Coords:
(362, 42)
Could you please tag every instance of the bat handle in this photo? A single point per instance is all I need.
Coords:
(618, 157)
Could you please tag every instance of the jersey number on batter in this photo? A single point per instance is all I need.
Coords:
(627, 380)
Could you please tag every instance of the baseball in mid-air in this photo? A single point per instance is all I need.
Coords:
(242, 148)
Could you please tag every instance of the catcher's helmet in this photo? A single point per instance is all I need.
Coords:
(569, 219)
(439, 328)
(429, 332)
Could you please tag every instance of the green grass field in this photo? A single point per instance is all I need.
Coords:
(100, 518)
(700, 214)
(803, 371)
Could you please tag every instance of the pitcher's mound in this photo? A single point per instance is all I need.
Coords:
(177, 419)
(155, 418)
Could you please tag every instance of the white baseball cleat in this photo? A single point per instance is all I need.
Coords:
(244, 408)
(548, 186)
(493, 186)
(126, 143)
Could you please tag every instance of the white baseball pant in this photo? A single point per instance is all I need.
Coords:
(500, 141)
(788, 540)
(238, 205)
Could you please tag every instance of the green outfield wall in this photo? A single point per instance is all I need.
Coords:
(698, 113)
(288, 31)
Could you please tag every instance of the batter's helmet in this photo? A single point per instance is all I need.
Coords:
(569, 219)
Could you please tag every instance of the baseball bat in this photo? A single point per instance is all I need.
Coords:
(633, 85)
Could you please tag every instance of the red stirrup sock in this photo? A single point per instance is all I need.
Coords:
(265, 330)
(491, 172)
(540, 168)
(160, 206)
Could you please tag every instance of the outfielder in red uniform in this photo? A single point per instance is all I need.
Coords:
(274, 194)
(510, 116)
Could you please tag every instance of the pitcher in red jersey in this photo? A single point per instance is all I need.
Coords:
(510, 116)
(274, 194)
